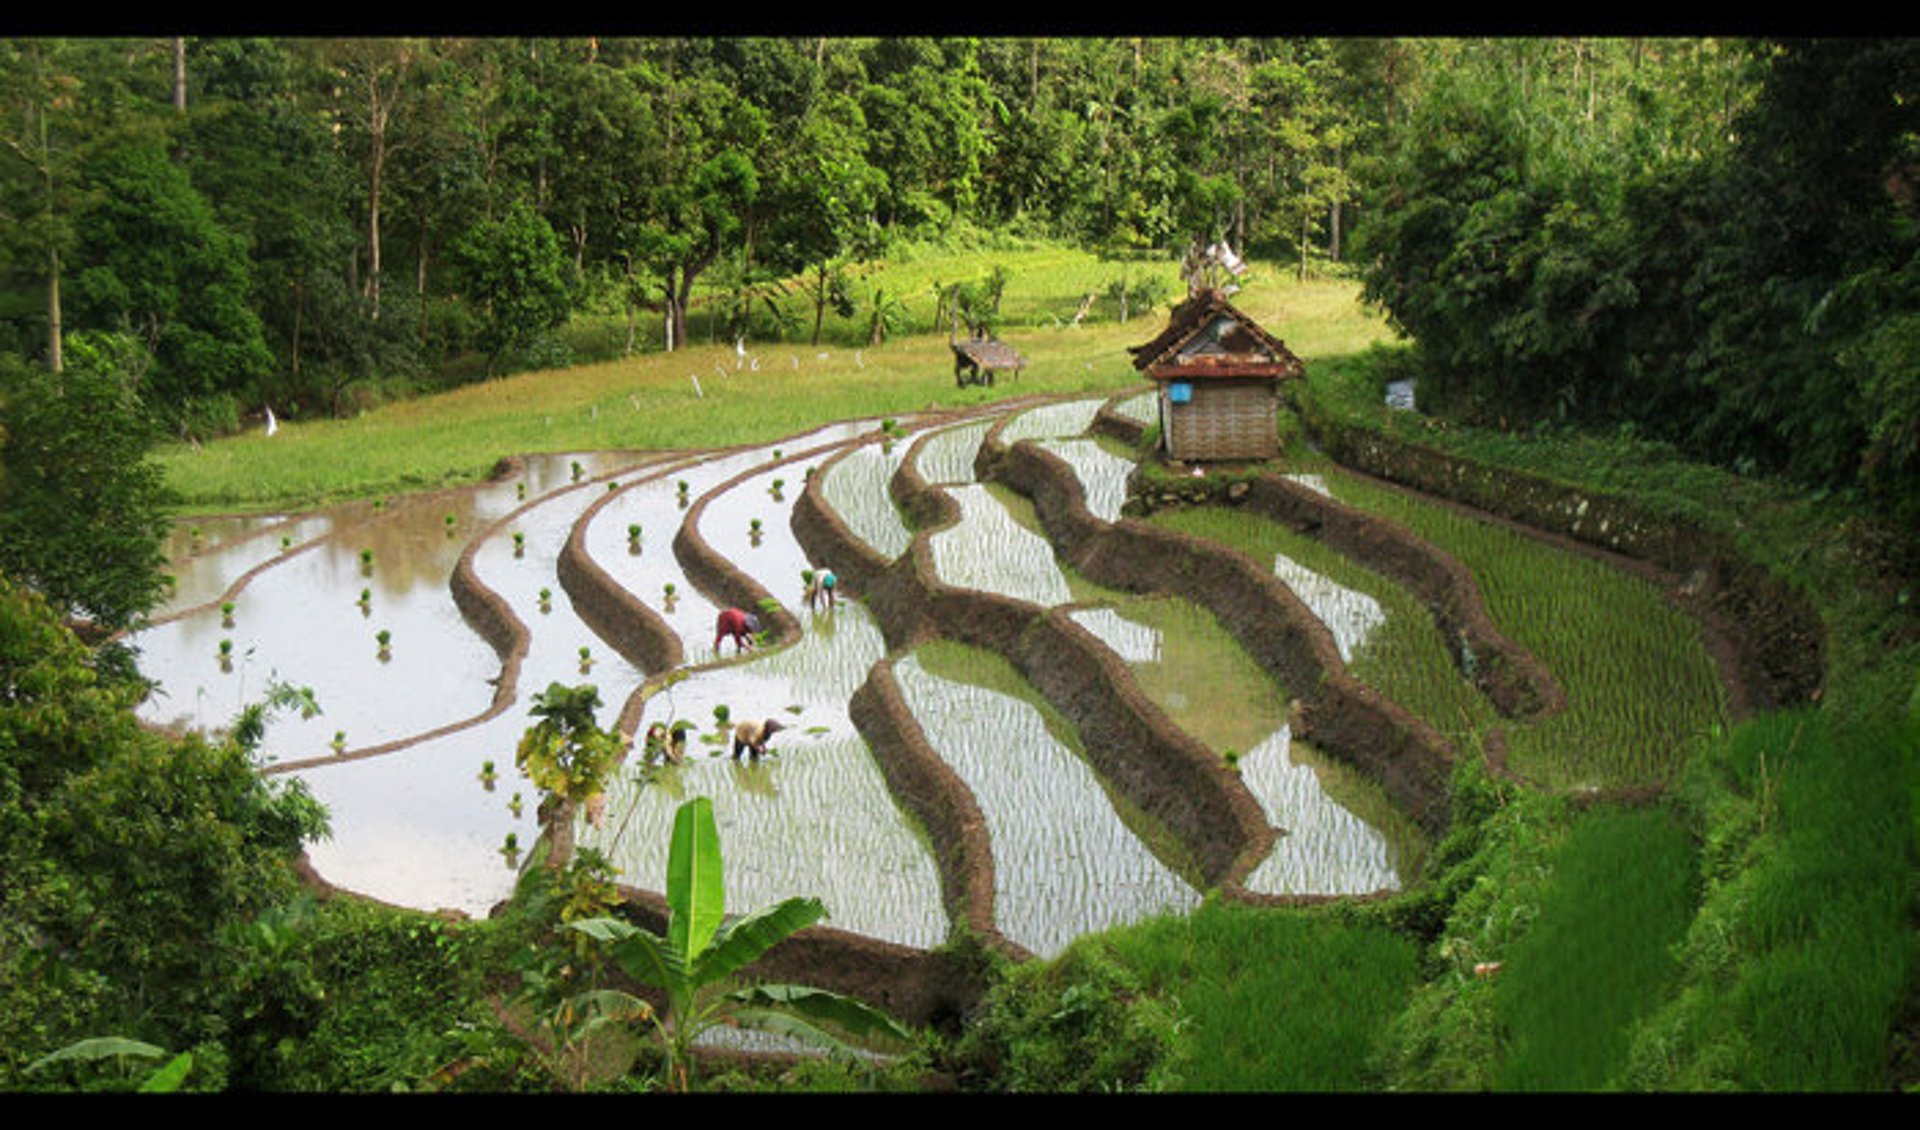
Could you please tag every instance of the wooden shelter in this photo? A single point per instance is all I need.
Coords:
(976, 360)
(1219, 379)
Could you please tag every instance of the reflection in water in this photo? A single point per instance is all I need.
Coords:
(415, 826)
(1326, 849)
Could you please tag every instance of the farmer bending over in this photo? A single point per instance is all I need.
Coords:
(740, 625)
(824, 586)
(751, 737)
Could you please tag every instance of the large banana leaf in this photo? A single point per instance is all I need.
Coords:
(696, 895)
(818, 1016)
(747, 937)
(644, 957)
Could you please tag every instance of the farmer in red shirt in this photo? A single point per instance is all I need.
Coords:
(740, 625)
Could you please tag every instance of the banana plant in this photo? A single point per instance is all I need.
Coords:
(703, 949)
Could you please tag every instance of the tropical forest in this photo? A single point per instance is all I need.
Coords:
(922, 564)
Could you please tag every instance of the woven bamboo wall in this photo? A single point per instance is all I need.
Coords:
(1224, 420)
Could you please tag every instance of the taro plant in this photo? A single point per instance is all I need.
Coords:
(703, 949)
(384, 638)
(226, 613)
(519, 543)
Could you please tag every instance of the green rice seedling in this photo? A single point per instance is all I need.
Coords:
(991, 550)
(519, 543)
(1801, 951)
(1102, 472)
(384, 638)
(818, 817)
(1059, 420)
(947, 455)
(855, 488)
(1641, 686)
(226, 613)
(1343, 836)
(1599, 954)
(1144, 407)
(1066, 862)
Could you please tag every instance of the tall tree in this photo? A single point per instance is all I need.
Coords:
(825, 201)
(375, 80)
(82, 511)
(156, 262)
(515, 271)
(702, 202)
(40, 91)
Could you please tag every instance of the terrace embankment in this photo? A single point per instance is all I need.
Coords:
(1765, 632)
(930, 988)
(1409, 759)
(1171, 778)
(608, 607)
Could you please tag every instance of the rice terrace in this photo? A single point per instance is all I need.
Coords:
(959, 565)
(1066, 687)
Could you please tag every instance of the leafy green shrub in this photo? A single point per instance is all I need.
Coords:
(1082, 1022)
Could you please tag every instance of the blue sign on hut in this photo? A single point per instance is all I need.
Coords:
(1219, 378)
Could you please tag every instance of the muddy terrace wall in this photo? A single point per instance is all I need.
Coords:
(614, 613)
(1160, 768)
(1409, 759)
(1777, 635)
(1517, 684)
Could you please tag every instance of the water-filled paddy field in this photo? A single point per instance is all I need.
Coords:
(412, 746)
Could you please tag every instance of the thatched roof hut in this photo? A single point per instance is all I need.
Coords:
(1219, 379)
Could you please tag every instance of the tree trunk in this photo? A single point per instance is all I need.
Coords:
(55, 358)
(179, 74)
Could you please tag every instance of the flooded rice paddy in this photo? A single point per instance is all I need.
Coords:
(412, 748)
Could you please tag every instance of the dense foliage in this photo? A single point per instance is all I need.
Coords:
(1731, 272)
